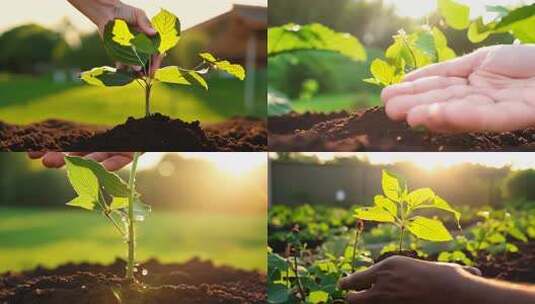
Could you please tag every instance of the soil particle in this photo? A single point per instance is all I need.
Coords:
(194, 282)
(372, 130)
(154, 133)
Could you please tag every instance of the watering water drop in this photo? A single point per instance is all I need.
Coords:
(144, 272)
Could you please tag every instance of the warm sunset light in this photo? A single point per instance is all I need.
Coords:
(419, 8)
(431, 161)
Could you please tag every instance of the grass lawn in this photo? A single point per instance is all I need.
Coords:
(26, 99)
(336, 102)
(31, 237)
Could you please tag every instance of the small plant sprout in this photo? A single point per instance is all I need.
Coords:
(105, 191)
(398, 206)
(132, 48)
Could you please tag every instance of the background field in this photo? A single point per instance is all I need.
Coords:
(29, 237)
(27, 99)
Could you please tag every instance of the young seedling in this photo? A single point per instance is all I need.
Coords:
(117, 200)
(132, 48)
(398, 206)
(492, 234)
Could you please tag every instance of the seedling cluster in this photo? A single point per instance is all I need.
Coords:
(134, 49)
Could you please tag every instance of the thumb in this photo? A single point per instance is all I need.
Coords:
(143, 22)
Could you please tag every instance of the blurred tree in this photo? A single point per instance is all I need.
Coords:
(30, 49)
(519, 185)
(89, 53)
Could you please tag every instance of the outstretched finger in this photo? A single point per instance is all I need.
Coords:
(359, 280)
(116, 162)
(468, 116)
(36, 155)
(459, 67)
(360, 297)
(420, 85)
(398, 107)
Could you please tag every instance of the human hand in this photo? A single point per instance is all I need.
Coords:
(399, 279)
(492, 89)
(103, 11)
(112, 161)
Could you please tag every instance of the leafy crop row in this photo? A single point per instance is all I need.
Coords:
(306, 270)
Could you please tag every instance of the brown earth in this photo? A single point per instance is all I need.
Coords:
(154, 133)
(194, 282)
(372, 130)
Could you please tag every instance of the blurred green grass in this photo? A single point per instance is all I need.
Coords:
(31, 237)
(26, 99)
(327, 103)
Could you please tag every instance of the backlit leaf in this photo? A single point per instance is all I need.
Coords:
(235, 70)
(121, 33)
(82, 201)
(376, 214)
(83, 180)
(428, 229)
(391, 186)
(96, 173)
(119, 52)
(292, 37)
(386, 204)
(455, 14)
(168, 27)
(106, 77)
(318, 296)
(420, 196)
(173, 74)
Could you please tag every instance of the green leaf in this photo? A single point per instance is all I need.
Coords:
(517, 234)
(428, 229)
(391, 186)
(386, 204)
(478, 31)
(520, 14)
(501, 10)
(122, 51)
(425, 42)
(441, 43)
(420, 196)
(376, 214)
(440, 203)
(119, 203)
(496, 238)
(235, 70)
(173, 74)
(83, 180)
(278, 293)
(168, 27)
(141, 210)
(121, 33)
(110, 181)
(83, 201)
(318, 296)
(382, 72)
(107, 77)
(144, 44)
(455, 14)
(292, 37)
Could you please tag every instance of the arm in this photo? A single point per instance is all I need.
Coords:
(398, 280)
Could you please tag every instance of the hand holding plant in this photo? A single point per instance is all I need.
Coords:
(404, 280)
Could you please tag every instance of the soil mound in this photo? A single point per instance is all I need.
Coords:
(372, 130)
(154, 133)
(194, 282)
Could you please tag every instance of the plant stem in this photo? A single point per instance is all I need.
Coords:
(148, 88)
(355, 245)
(131, 232)
(296, 270)
(401, 239)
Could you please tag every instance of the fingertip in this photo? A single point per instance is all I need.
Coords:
(53, 160)
(35, 155)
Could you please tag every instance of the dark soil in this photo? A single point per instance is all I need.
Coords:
(406, 253)
(372, 130)
(195, 282)
(155, 133)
